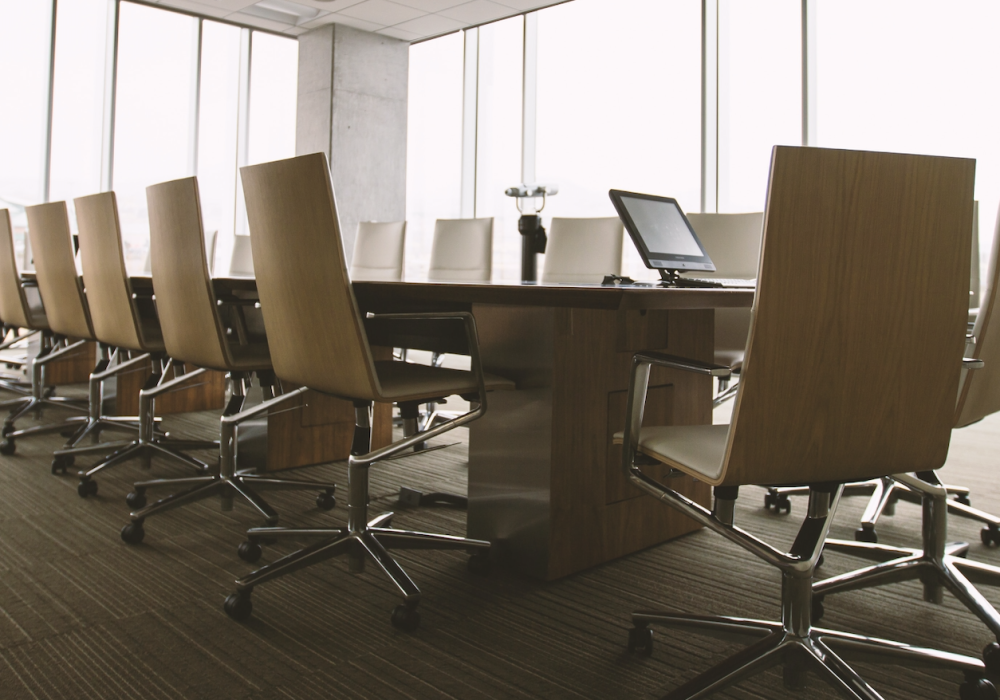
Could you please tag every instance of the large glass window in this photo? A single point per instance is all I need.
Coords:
(760, 95)
(24, 87)
(433, 145)
(498, 133)
(218, 115)
(619, 105)
(914, 76)
(79, 98)
(154, 122)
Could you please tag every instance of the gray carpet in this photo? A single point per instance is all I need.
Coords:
(83, 615)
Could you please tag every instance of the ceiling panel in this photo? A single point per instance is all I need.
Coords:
(408, 20)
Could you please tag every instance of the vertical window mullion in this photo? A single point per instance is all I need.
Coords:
(47, 171)
(709, 105)
(529, 101)
(470, 119)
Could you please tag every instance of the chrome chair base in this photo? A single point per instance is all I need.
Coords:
(361, 539)
(228, 483)
(822, 651)
(148, 444)
(884, 493)
(938, 566)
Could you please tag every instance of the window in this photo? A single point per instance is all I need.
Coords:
(498, 135)
(24, 83)
(914, 77)
(619, 105)
(154, 122)
(433, 145)
(79, 96)
(760, 95)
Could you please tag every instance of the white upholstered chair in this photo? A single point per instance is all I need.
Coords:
(462, 251)
(583, 251)
(378, 251)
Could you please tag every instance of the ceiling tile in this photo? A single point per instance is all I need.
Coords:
(430, 25)
(523, 5)
(341, 18)
(331, 6)
(198, 8)
(477, 12)
(382, 12)
(259, 22)
(399, 34)
(229, 5)
(430, 5)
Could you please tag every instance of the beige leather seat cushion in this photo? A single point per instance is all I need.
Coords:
(405, 381)
(695, 449)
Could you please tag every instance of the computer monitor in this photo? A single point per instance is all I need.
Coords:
(661, 233)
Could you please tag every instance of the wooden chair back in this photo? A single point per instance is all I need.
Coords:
(109, 290)
(462, 251)
(980, 395)
(378, 251)
(313, 325)
(853, 361)
(55, 268)
(241, 261)
(13, 304)
(185, 300)
(583, 251)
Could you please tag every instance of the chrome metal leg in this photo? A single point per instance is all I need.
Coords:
(868, 550)
(300, 559)
(178, 499)
(838, 674)
(745, 663)
(404, 539)
(254, 499)
(378, 554)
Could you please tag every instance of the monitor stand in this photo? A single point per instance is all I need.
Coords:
(671, 278)
(668, 278)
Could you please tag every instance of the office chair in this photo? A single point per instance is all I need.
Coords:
(378, 251)
(937, 564)
(824, 408)
(732, 241)
(211, 242)
(241, 261)
(193, 332)
(18, 312)
(123, 318)
(583, 251)
(884, 493)
(319, 341)
(462, 251)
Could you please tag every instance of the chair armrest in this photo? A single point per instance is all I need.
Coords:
(674, 362)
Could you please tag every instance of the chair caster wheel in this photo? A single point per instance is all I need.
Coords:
(136, 499)
(326, 501)
(239, 606)
(7, 429)
(62, 463)
(133, 532)
(817, 609)
(405, 618)
(991, 658)
(479, 563)
(87, 488)
(640, 641)
(777, 502)
(249, 551)
(977, 688)
(964, 500)
(990, 535)
(7, 447)
(864, 534)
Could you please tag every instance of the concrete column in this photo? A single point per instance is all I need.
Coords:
(352, 106)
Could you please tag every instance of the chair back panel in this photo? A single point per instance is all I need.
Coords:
(378, 251)
(462, 251)
(185, 301)
(980, 394)
(732, 241)
(241, 261)
(583, 251)
(975, 284)
(313, 325)
(13, 304)
(853, 362)
(55, 267)
(109, 291)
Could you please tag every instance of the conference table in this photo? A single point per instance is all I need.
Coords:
(546, 485)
